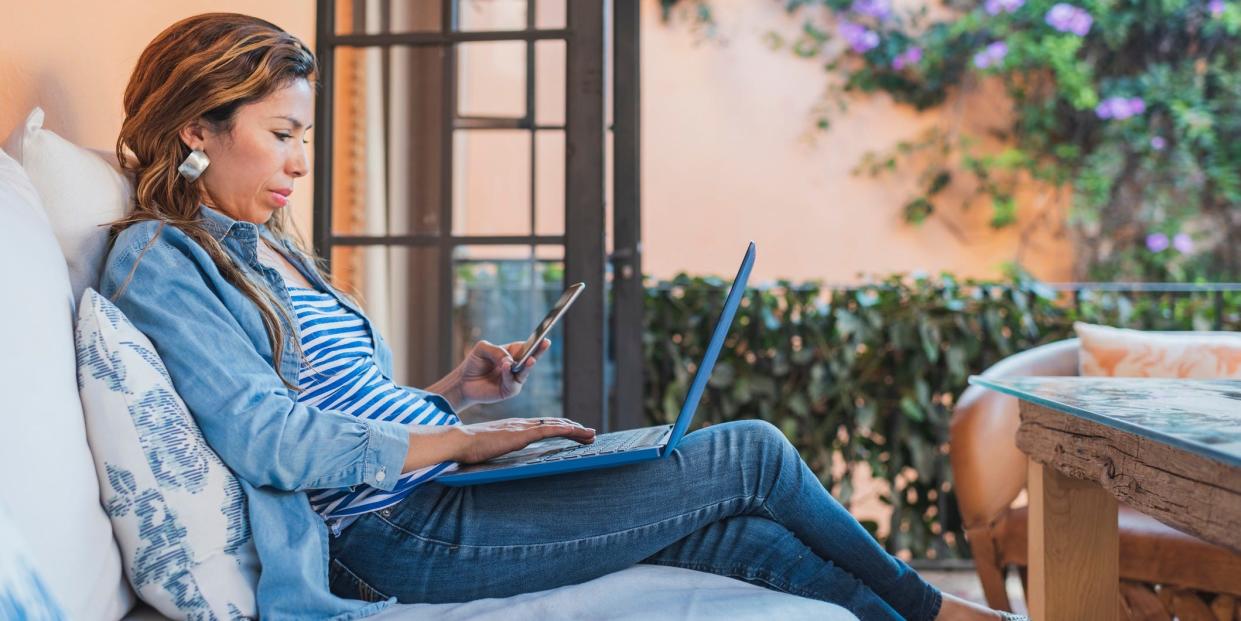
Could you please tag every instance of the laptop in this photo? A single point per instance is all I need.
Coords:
(558, 455)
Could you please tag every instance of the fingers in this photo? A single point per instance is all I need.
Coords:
(534, 358)
(552, 427)
(525, 369)
(493, 352)
(515, 347)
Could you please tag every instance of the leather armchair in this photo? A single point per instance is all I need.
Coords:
(1163, 572)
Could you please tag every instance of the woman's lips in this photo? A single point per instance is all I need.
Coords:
(280, 199)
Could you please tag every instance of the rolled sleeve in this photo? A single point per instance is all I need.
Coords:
(245, 411)
(389, 443)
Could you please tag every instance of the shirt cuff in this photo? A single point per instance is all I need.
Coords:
(387, 446)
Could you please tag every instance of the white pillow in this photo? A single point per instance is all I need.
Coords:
(80, 189)
(23, 594)
(45, 464)
(177, 510)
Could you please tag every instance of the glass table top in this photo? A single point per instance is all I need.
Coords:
(1200, 416)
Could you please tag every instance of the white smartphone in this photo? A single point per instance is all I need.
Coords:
(546, 325)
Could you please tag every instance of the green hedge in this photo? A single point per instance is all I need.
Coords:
(871, 373)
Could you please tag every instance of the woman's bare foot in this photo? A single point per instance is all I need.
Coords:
(957, 609)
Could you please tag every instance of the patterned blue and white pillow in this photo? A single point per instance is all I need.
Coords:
(178, 512)
(23, 595)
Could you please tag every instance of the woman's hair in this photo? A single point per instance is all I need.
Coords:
(202, 69)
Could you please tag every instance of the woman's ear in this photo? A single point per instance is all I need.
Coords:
(193, 135)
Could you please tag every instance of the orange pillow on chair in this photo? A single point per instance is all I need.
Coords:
(1117, 352)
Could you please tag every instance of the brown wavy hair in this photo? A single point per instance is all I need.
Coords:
(204, 68)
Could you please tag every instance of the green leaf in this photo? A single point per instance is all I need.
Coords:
(911, 410)
(1003, 211)
(938, 183)
(799, 405)
(918, 210)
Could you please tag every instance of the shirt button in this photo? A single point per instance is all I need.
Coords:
(381, 475)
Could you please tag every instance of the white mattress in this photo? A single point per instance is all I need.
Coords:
(640, 593)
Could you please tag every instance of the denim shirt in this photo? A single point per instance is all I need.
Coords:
(212, 340)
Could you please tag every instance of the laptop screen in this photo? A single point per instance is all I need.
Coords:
(713, 349)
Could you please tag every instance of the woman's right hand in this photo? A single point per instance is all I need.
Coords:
(490, 439)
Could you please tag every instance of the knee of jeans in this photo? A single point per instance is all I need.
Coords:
(758, 431)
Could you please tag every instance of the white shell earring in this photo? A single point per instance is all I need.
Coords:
(194, 165)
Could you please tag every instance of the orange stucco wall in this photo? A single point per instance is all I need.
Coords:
(73, 58)
(728, 150)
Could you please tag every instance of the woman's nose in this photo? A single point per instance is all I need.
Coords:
(297, 166)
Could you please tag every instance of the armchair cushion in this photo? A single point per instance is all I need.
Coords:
(1150, 551)
(1117, 352)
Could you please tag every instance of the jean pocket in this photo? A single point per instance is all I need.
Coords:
(344, 583)
(413, 513)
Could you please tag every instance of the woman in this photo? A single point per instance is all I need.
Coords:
(291, 388)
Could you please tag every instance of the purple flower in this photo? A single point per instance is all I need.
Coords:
(1183, 243)
(911, 56)
(1158, 143)
(991, 55)
(1216, 7)
(859, 37)
(1156, 242)
(995, 7)
(1120, 108)
(1068, 18)
(878, 9)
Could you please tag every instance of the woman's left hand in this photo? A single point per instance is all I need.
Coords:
(486, 375)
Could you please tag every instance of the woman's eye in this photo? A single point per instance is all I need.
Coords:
(283, 136)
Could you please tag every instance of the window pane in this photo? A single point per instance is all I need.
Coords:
(549, 182)
(491, 15)
(385, 16)
(492, 79)
(549, 80)
(398, 289)
(549, 14)
(387, 136)
(500, 294)
(491, 182)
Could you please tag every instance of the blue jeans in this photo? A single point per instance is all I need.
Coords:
(733, 499)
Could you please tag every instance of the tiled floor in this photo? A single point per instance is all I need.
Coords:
(964, 584)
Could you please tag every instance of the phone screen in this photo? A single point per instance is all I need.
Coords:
(546, 325)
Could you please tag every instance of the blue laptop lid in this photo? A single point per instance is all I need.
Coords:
(713, 350)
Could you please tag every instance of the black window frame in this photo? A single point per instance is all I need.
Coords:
(602, 387)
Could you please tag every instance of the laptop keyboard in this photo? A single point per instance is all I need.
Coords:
(603, 445)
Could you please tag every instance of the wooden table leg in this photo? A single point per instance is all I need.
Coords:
(1074, 548)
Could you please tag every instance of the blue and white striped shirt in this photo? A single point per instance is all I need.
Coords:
(339, 373)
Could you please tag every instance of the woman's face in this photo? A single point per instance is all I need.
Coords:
(253, 166)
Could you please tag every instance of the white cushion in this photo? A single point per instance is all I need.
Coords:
(639, 593)
(80, 189)
(177, 510)
(48, 476)
(23, 593)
